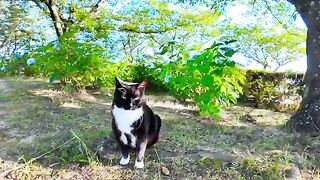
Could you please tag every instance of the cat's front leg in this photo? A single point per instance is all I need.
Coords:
(141, 149)
(125, 156)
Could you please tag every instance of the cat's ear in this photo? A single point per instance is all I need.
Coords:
(118, 82)
(142, 86)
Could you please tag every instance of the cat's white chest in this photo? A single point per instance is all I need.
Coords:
(124, 120)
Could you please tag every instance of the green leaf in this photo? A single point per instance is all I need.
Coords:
(207, 80)
(206, 98)
(165, 49)
(215, 44)
(230, 52)
(230, 41)
(231, 64)
(218, 72)
(205, 68)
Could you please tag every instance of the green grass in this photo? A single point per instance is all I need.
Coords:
(38, 122)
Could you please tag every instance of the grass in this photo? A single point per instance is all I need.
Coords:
(52, 134)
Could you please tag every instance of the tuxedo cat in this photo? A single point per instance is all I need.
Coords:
(134, 124)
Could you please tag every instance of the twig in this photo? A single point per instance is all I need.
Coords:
(154, 39)
(34, 159)
(159, 159)
(155, 150)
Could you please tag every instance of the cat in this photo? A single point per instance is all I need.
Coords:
(134, 124)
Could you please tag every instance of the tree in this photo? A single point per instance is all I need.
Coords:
(18, 34)
(271, 48)
(57, 10)
(307, 118)
(123, 33)
(267, 37)
(12, 28)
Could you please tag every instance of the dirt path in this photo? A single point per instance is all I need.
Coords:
(3, 85)
(3, 89)
(3, 116)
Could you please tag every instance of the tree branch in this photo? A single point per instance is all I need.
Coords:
(154, 39)
(143, 32)
(269, 9)
(40, 7)
(95, 8)
(3, 43)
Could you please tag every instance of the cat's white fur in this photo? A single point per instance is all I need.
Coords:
(124, 119)
(139, 165)
(125, 161)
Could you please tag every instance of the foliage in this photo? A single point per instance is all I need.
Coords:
(210, 80)
(19, 33)
(142, 72)
(93, 39)
(77, 65)
(269, 89)
(261, 88)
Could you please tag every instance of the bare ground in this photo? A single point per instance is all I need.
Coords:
(49, 134)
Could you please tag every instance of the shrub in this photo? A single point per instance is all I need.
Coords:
(269, 89)
(78, 64)
(141, 72)
(18, 65)
(210, 80)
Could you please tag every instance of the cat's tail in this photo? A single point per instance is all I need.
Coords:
(158, 119)
(155, 136)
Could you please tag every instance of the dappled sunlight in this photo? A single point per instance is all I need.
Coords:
(70, 105)
(47, 93)
(171, 105)
(247, 116)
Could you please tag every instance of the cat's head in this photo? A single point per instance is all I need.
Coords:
(128, 95)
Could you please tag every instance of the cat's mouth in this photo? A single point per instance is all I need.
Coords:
(134, 107)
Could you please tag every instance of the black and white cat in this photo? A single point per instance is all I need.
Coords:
(134, 124)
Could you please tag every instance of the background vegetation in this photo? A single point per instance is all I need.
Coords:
(187, 48)
(197, 52)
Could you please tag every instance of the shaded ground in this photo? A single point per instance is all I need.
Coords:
(70, 137)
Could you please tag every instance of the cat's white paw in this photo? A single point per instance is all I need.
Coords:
(124, 161)
(139, 165)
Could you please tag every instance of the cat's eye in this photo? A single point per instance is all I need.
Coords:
(123, 92)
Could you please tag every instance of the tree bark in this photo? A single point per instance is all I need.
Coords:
(55, 16)
(307, 118)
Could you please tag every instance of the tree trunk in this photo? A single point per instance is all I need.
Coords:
(307, 118)
(60, 23)
(55, 16)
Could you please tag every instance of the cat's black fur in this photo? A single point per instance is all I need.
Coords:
(130, 96)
